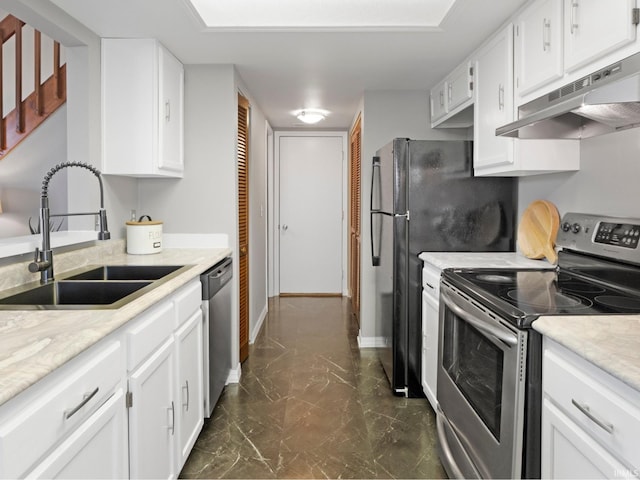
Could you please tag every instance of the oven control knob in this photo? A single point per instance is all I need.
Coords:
(575, 228)
(566, 226)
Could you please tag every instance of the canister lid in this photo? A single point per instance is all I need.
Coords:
(140, 221)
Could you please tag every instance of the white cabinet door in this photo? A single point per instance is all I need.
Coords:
(190, 396)
(438, 105)
(569, 452)
(97, 449)
(459, 86)
(142, 109)
(430, 347)
(494, 101)
(171, 118)
(152, 416)
(594, 28)
(538, 46)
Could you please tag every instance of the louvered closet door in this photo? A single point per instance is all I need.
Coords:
(243, 223)
(354, 219)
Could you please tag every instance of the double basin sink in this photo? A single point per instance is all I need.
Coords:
(95, 287)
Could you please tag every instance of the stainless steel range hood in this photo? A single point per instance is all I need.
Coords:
(605, 101)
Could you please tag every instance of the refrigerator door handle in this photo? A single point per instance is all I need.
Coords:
(375, 259)
(376, 166)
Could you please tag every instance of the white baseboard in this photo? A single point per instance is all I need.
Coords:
(234, 375)
(371, 342)
(256, 329)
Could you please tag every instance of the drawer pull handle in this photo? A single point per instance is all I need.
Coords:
(607, 427)
(430, 286)
(186, 387)
(85, 399)
(172, 427)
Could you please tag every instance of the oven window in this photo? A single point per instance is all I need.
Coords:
(474, 364)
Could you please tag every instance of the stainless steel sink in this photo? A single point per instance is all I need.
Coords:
(74, 294)
(91, 288)
(126, 272)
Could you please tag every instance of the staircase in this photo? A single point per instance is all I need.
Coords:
(31, 109)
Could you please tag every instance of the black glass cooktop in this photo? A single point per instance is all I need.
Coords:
(524, 295)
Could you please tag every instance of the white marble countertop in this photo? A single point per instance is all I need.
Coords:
(482, 260)
(611, 342)
(34, 343)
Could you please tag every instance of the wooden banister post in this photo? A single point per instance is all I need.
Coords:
(19, 103)
(37, 66)
(59, 88)
(3, 125)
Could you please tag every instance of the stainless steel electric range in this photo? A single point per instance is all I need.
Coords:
(490, 359)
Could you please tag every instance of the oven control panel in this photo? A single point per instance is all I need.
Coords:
(621, 234)
(610, 237)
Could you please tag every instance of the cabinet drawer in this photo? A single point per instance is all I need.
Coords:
(38, 426)
(149, 331)
(602, 405)
(187, 301)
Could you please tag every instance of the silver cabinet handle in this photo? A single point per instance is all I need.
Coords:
(584, 408)
(173, 418)
(450, 92)
(441, 98)
(85, 399)
(167, 110)
(186, 387)
(546, 34)
(574, 8)
(500, 97)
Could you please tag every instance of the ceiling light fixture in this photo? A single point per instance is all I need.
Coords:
(311, 115)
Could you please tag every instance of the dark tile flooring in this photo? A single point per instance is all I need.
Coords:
(311, 404)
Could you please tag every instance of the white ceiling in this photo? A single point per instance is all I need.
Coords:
(288, 70)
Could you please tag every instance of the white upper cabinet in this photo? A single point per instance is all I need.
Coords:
(437, 100)
(451, 97)
(538, 46)
(494, 101)
(142, 109)
(593, 28)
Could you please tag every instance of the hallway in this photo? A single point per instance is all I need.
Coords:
(310, 404)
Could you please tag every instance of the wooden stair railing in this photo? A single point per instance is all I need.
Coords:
(46, 98)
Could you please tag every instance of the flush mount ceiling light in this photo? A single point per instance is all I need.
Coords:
(311, 115)
(324, 15)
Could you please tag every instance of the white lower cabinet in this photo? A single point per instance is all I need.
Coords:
(130, 406)
(56, 427)
(96, 449)
(152, 416)
(590, 419)
(166, 408)
(190, 409)
(430, 306)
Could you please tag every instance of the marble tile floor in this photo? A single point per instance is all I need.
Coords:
(311, 404)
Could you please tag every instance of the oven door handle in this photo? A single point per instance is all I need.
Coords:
(487, 328)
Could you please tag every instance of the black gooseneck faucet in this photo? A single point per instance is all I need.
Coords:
(43, 261)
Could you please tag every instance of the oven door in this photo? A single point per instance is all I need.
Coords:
(481, 389)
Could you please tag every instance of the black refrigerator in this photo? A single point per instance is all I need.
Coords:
(424, 198)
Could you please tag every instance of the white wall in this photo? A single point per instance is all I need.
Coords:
(607, 182)
(21, 173)
(205, 200)
(386, 115)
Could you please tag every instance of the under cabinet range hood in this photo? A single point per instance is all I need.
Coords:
(603, 102)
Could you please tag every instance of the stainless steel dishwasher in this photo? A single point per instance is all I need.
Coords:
(216, 309)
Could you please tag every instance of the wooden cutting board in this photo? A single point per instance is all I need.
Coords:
(538, 229)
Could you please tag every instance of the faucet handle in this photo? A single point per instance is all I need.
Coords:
(38, 264)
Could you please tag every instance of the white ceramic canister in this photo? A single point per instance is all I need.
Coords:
(144, 236)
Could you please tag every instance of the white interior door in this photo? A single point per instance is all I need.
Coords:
(311, 169)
